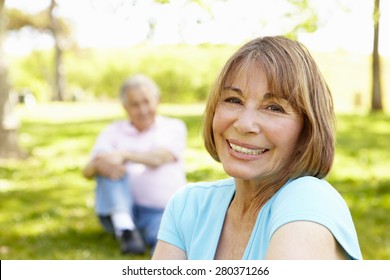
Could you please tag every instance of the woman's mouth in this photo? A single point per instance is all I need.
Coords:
(246, 150)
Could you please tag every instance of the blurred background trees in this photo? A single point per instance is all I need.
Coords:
(301, 17)
(13, 20)
(184, 71)
(46, 21)
(8, 121)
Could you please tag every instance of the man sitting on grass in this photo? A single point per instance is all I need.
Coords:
(138, 164)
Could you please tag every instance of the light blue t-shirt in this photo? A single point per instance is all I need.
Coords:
(195, 215)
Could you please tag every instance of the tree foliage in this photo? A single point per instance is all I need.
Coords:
(40, 21)
(14, 20)
(46, 21)
(304, 16)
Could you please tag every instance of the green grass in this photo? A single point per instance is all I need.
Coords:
(47, 206)
(362, 174)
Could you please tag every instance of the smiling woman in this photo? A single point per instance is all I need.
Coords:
(254, 132)
(269, 120)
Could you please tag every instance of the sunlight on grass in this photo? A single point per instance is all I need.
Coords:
(362, 147)
(65, 112)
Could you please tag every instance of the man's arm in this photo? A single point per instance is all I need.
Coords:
(154, 158)
(112, 164)
(105, 166)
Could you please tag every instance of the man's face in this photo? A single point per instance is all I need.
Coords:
(141, 106)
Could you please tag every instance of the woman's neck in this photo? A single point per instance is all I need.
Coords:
(250, 197)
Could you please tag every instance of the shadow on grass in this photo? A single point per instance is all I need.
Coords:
(54, 223)
(66, 244)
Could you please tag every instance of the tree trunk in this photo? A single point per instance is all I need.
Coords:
(9, 123)
(59, 79)
(376, 95)
(59, 72)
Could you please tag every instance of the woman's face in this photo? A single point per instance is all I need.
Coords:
(255, 133)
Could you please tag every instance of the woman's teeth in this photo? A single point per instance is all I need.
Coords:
(246, 151)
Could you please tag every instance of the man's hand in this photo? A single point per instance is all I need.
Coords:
(116, 157)
(110, 165)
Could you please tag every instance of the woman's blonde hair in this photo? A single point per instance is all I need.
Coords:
(292, 74)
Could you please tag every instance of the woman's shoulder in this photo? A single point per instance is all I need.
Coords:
(315, 200)
(203, 193)
(309, 197)
(308, 187)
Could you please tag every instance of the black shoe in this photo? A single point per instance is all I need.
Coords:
(131, 242)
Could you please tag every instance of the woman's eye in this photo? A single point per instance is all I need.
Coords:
(233, 100)
(275, 108)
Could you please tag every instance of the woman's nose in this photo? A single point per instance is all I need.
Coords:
(247, 121)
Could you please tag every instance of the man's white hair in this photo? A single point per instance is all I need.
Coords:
(137, 81)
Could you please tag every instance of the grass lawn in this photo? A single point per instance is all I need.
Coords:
(47, 206)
